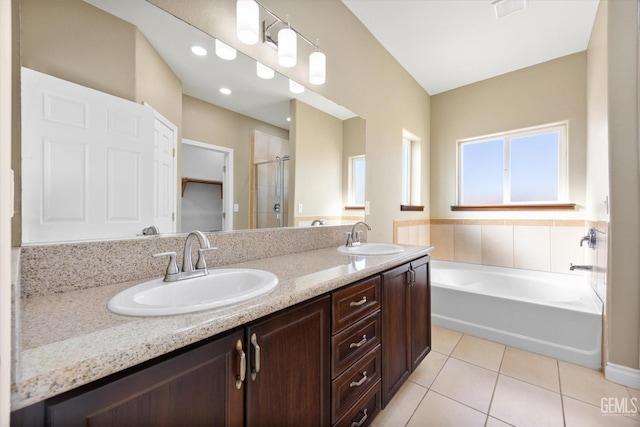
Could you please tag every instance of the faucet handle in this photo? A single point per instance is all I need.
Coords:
(172, 268)
(349, 239)
(201, 264)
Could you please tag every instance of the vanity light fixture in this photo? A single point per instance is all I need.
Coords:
(198, 50)
(225, 51)
(317, 67)
(225, 91)
(264, 72)
(247, 21)
(287, 46)
(295, 87)
(286, 41)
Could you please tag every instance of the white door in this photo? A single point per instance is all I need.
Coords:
(164, 172)
(87, 162)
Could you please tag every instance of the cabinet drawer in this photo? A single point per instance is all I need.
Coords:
(354, 342)
(364, 411)
(355, 381)
(355, 302)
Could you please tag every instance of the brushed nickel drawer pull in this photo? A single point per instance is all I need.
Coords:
(362, 420)
(358, 303)
(359, 343)
(256, 357)
(243, 365)
(362, 380)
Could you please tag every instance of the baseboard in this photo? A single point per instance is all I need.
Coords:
(622, 375)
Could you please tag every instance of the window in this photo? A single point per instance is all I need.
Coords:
(411, 168)
(356, 180)
(527, 166)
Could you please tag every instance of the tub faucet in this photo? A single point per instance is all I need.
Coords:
(590, 238)
(353, 238)
(188, 269)
(573, 267)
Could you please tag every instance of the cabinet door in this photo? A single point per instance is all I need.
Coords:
(292, 385)
(195, 388)
(420, 311)
(396, 329)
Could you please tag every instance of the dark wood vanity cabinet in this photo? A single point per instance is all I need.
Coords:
(196, 387)
(406, 330)
(287, 381)
(356, 362)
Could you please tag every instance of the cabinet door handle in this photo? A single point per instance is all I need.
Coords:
(362, 380)
(358, 303)
(362, 420)
(359, 343)
(242, 357)
(256, 357)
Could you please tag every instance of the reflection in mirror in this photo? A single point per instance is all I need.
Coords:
(133, 50)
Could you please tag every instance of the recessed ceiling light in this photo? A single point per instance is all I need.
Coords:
(198, 50)
(295, 87)
(288, 119)
(225, 51)
(225, 91)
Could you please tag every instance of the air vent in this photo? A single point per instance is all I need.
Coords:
(504, 8)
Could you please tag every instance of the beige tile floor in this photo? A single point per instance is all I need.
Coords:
(468, 381)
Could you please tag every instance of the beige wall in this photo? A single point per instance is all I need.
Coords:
(597, 184)
(545, 93)
(623, 294)
(361, 75)
(211, 124)
(316, 138)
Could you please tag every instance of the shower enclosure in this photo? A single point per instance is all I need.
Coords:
(271, 192)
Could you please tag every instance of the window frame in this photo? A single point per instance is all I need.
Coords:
(411, 172)
(563, 165)
(352, 176)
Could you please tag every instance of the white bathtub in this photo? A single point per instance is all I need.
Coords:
(558, 315)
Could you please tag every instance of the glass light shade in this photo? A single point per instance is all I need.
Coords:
(317, 68)
(287, 48)
(247, 21)
(295, 87)
(263, 71)
(224, 51)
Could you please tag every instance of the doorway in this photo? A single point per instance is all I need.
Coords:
(206, 187)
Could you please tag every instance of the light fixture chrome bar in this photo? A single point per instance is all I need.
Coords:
(266, 28)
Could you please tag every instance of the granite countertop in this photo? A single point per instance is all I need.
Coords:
(70, 339)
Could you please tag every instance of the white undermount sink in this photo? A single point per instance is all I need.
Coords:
(371, 249)
(217, 289)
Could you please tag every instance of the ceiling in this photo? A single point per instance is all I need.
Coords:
(445, 44)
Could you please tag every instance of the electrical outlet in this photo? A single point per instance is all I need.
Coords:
(367, 208)
(236, 208)
(300, 208)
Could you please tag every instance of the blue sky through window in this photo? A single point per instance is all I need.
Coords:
(535, 168)
(482, 172)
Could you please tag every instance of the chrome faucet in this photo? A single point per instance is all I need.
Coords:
(318, 222)
(188, 270)
(590, 238)
(573, 267)
(353, 237)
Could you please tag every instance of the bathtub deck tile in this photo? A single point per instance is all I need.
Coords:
(481, 352)
(533, 368)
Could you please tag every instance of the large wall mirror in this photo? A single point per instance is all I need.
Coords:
(262, 134)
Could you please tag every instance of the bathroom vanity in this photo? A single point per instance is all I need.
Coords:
(329, 346)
